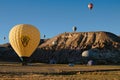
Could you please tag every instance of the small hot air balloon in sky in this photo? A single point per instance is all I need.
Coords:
(74, 28)
(24, 39)
(54, 43)
(44, 36)
(4, 38)
(90, 6)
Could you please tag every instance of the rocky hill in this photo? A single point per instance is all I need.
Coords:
(103, 48)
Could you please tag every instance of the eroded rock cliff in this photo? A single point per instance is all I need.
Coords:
(103, 47)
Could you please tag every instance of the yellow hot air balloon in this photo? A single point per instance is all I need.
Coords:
(24, 39)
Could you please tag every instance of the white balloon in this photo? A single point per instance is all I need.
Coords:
(85, 54)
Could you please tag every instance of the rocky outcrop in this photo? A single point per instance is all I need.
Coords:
(103, 47)
(7, 53)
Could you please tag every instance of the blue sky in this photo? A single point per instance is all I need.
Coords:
(53, 17)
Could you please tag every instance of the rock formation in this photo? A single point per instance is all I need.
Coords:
(103, 47)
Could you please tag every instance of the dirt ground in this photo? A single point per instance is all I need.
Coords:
(39, 71)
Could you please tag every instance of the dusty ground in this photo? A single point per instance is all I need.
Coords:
(38, 71)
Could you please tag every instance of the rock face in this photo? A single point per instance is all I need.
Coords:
(103, 48)
(7, 53)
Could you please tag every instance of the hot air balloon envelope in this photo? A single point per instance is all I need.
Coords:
(74, 28)
(24, 39)
(4, 38)
(85, 54)
(90, 6)
(54, 42)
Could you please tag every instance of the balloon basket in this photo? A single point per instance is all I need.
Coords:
(24, 61)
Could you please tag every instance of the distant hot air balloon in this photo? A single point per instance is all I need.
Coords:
(4, 38)
(44, 35)
(74, 28)
(24, 39)
(90, 6)
(54, 43)
(85, 54)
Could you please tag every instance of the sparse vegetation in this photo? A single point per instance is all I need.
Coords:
(111, 75)
(40, 71)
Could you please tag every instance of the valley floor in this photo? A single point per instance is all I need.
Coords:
(40, 71)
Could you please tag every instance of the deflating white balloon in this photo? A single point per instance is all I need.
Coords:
(85, 54)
